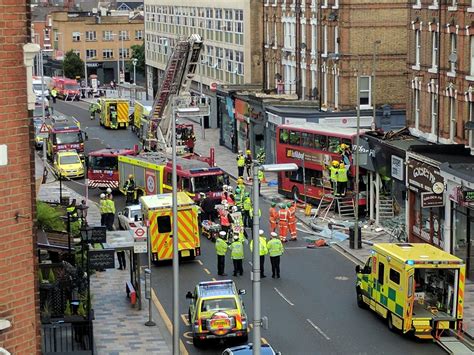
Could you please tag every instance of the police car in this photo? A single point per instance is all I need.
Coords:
(216, 311)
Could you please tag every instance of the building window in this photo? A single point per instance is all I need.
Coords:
(124, 36)
(434, 50)
(325, 88)
(124, 53)
(325, 40)
(452, 119)
(107, 53)
(239, 59)
(219, 57)
(417, 48)
(336, 39)
(91, 53)
(471, 132)
(336, 4)
(471, 62)
(76, 36)
(139, 34)
(229, 57)
(416, 107)
(91, 36)
(107, 36)
(286, 34)
(364, 91)
(453, 46)
(210, 55)
(314, 40)
(434, 112)
(336, 90)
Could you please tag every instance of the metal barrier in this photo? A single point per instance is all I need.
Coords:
(73, 338)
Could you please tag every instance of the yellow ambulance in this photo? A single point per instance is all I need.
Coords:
(113, 112)
(158, 214)
(417, 288)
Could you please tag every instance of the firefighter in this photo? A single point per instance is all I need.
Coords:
(263, 250)
(283, 222)
(102, 209)
(275, 250)
(292, 219)
(248, 164)
(273, 216)
(247, 206)
(129, 187)
(240, 163)
(221, 250)
(342, 179)
(237, 255)
(224, 218)
(333, 169)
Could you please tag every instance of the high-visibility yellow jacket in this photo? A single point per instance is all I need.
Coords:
(262, 247)
(221, 246)
(342, 174)
(275, 247)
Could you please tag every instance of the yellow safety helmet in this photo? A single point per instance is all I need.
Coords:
(344, 146)
(248, 151)
(335, 163)
(130, 176)
(240, 181)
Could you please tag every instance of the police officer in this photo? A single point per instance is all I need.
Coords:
(275, 250)
(221, 250)
(54, 95)
(240, 163)
(102, 209)
(129, 187)
(247, 206)
(110, 212)
(261, 177)
(237, 255)
(263, 250)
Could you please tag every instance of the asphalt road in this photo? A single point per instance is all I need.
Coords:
(311, 310)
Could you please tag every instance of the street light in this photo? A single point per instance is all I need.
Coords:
(174, 184)
(257, 318)
(85, 60)
(203, 127)
(134, 62)
(374, 63)
(336, 56)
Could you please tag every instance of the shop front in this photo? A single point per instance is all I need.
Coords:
(426, 215)
(459, 211)
(228, 123)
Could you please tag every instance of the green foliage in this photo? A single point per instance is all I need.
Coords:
(138, 52)
(73, 65)
(46, 312)
(48, 217)
(51, 277)
(40, 275)
(81, 310)
(68, 311)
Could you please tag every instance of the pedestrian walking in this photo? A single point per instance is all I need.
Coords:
(54, 94)
(121, 259)
(273, 217)
(248, 164)
(240, 163)
(275, 250)
(103, 209)
(283, 222)
(237, 255)
(130, 187)
(221, 250)
(263, 250)
(292, 220)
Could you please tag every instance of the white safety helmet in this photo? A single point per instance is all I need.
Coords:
(260, 232)
(236, 237)
(109, 190)
(224, 187)
(222, 234)
(274, 234)
(225, 203)
(234, 209)
(229, 188)
(102, 196)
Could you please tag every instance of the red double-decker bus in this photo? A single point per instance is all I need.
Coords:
(314, 146)
(102, 167)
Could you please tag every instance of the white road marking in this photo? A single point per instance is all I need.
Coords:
(283, 296)
(318, 329)
(207, 271)
(199, 262)
(341, 278)
(184, 317)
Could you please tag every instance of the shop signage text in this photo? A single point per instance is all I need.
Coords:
(468, 196)
(424, 177)
(430, 199)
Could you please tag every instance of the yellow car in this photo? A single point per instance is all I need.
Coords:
(68, 164)
(216, 311)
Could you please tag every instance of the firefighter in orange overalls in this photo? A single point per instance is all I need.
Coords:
(273, 213)
(283, 222)
(292, 219)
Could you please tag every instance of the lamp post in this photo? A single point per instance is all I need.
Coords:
(177, 112)
(134, 62)
(257, 317)
(374, 63)
(118, 57)
(85, 60)
(203, 127)
(336, 56)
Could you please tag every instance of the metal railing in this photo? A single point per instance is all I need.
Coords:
(62, 337)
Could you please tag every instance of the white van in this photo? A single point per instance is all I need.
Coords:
(37, 87)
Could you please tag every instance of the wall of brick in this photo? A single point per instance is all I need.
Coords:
(18, 296)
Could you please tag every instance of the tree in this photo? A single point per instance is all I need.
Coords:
(138, 52)
(73, 65)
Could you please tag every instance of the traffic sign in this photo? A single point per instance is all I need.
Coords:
(139, 232)
(44, 128)
(140, 243)
(150, 180)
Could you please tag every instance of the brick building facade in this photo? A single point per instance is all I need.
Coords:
(301, 36)
(441, 70)
(18, 297)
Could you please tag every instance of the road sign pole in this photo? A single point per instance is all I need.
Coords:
(150, 322)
